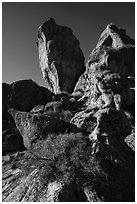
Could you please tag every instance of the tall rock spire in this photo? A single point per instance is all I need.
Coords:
(60, 56)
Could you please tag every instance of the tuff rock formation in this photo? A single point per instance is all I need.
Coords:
(109, 75)
(114, 51)
(80, 146)
(61, 59)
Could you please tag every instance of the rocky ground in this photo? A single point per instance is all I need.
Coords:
(74, 139)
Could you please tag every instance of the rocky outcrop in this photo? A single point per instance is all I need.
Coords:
(108, 81)
(105, 89)
(80, 146)
(11, 138)
(110, 68)
(72, 168)
(109, 131)
(114, 51)
(22, 95)
(61, 59)
(26, 93)
(108, 92)
(36, 126)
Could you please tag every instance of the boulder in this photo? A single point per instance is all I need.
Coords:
(114, 51)
(36, 126)
(57, 192)
(24, 94)
(7, 120)
(11, 140)
(60, 56)
(130, 140)
(11, 137)
(53, 190)
(114, 36)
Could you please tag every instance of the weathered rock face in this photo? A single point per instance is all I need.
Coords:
(107, 89)
(110, 70)
(108, 128)
(115, 37)
(61, 59)
(114, 51)
(108, 81)
(36, 126)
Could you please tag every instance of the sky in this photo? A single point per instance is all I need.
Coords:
(20, 22)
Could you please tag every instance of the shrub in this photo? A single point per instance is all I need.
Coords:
(65, 157)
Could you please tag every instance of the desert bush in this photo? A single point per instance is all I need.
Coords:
(65, 157)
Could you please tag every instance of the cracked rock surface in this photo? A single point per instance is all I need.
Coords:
(60, 56)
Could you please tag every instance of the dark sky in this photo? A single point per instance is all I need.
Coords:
(20, 22)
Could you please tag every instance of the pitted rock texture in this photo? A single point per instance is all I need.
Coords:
(36, 126)
(60, 56)
(114, 51)
(110, 70)
(103, 88)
